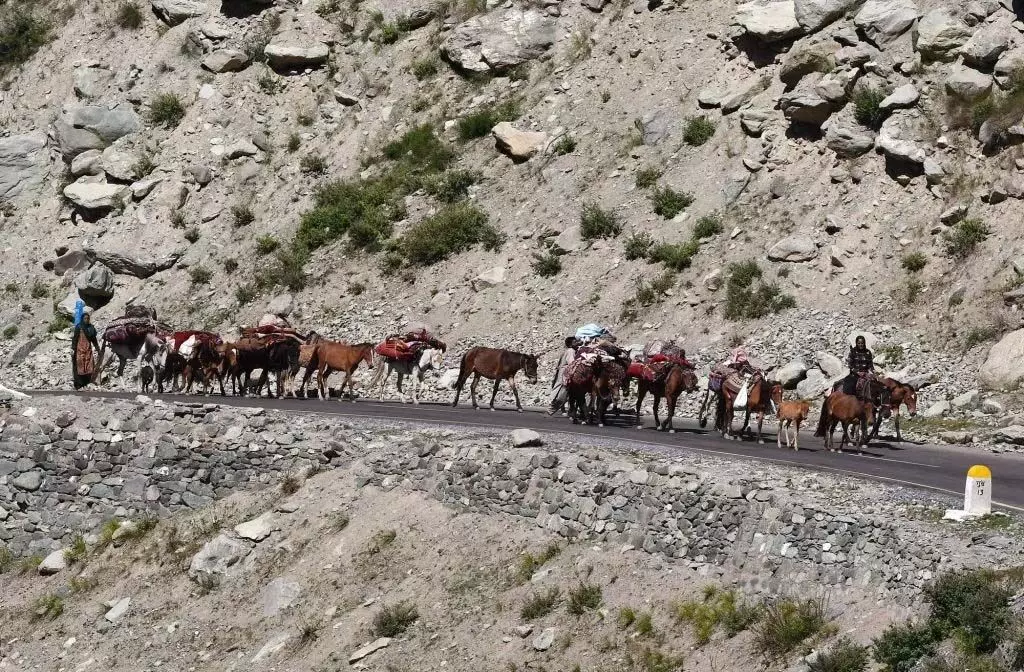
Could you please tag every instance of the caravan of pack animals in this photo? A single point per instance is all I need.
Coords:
(591, 379)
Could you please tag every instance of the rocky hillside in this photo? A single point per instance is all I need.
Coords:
(669, 168)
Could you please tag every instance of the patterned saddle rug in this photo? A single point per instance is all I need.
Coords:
(649, 371)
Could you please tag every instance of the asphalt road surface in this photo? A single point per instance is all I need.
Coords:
(938, 468)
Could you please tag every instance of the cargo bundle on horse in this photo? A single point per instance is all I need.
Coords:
(411, 355)
(268, 349)
(738, 383)
(192, 353)
(597, 374)
(497, 365)
(136, 334)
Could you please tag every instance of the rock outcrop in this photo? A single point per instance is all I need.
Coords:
(499, 40)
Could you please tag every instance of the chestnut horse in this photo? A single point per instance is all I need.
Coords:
(900, 394)
(763, 396)
(791, 413)
(678, 380)
(846, 410)
(331, 356)
(497, 365)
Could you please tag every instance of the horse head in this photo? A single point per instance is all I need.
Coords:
(366, 354)
(432, 358)
(689, 380)
(910, 399)
(530, 368)
(774, 392)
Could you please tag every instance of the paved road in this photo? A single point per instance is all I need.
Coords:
(937, 468)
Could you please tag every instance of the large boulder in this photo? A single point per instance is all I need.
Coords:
(813, 386)
(1004, 367)
(906, 95)
(805, 106)
(120, 164)
(805, 59)
(1008, 66)
(220, 558)
(87, 127)
(967, 83)
(741, 94)
(898, 141)
(23, 163)
(289, 54)
(848, 139)
(499, 40)
(939, 33)
(796, 247)
(813, 15)
(96, 285)
(791, 374)
(91, 195)
(88, 162)
(92, 81)
(769, 20)
(882, 21)
(225, 60)
(831, 365)
(124, 264)
(986, 46)
(517, 144)
(173, 12)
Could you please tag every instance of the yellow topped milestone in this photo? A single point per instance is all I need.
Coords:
(979, 471)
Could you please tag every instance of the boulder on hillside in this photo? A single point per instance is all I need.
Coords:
(813, 385)
(831, 365)
(986, 46)
(1004, 367)
(1009, 64)
(835, 86)
(281, 305)
(499, 40)
(87, 163)
(120, 164)
(791, 374)
(91, 195)
(96, 285)
(86, 127)
(742, 93)
(92, 81)
(805, 106)
(173, 12)
(769, 20)
(23, 164)
(813, 15)
(296, 54)
(225, 60)
(219, 558)
(967, 83)
(898, 141)
(124, 264)
(882, 21)
(939, 33)
(848, 139)
(805, 59)
(73, 260)
(754, 119)
(796, 247)
(904, 96)
(492, 277)
(517, 144)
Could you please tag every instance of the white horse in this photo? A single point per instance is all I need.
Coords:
(430, 358)
(151, 349)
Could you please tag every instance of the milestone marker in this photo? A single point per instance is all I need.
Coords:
(977, 495)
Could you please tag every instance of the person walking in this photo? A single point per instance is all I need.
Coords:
(559, 393)
(83, 349)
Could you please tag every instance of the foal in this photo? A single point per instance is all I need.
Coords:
(791, 413)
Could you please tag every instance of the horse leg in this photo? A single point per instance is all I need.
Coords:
(641, 392)
(796, 436)
(896, 419)
(760, 421)
(472, 389)
(321, 379)
(398, 384)
(515, 393)
(386, 373)
(416, 378)
(670, 402)
(494, 392)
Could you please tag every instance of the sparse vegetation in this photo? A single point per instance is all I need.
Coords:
(294, 142)
(178, 220)
(972, 605)
(426, 67)
(900, 647)
(393, 620)
(707, 226)
(268, 82)
(145, 165)
(843, 656)
(718, 609)
(867, 107)
(77, 551)
(580, 44)
(380, 541)
(675, 256)
(584, 597)
(129, 15)
(647, 294)
(454, 229)
(290, 484)
(22, 33)
(230, 265)
(39, 289)
(242, 215)
(166, 109)
(29, 564)
(452, 185)
(596, 222)
(913, 289)
(59, 323)
(245, 294)
(266, 244)
(626, 617)
(479, 123)
(200, 275)
(6, 559)
(10, 331)
(647, 177)
(313, 164)
(546, 265)
(747, 300)
(638, 245)
(309, 631)
(698, 130)
(914, 262)
(530, 563)
(192, 234)
(668, 202)
(540, 604)
(286, 271)
(785, 625)
(979, 335)
(565, 145)
(965, 236)
(894, 353)
(339, 521)
(49, 607)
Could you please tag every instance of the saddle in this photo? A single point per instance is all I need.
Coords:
(394, 347)
(128, 329)
(650, 371)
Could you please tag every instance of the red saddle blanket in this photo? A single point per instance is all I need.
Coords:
(394, 348)
(649, 371)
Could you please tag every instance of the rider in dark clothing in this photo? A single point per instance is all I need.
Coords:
(861, 363)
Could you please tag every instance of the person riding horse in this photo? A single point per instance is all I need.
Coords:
(862, 370)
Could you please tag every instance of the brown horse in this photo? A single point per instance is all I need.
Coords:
(762, 397)
(900, 394)
(846, 410)
(330, 356)
(678, 380)
(608, 384)
(497, 365)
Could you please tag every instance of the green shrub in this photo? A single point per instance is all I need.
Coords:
(388, 33)
(313, 164)
(540, 604)
(546, 265)
(914, 262)
(668, 202)
(245, 294)
(230, 265)
(867, 108)
(10, 331)
(421, 149)
(900, 647)
(266, 244)
(166, 109)
(626, 618)
(973, 606)
(425, 67)
(719, 609)
(707, 226)
(586, 596)
(647, 177)
(393, 620)
(747, 300)
(48, 606)
(638, 245)
(129, 16)
(844, 656)
(965, 236)
(979, 335)
(530, 563)
(452, 185)
(268, 82)
(644, 625)
(145, 165)
(305, 118)
(77, 551)
(192, 235)
(21, 35)
(58, 323)
(675, 256)
(565, 145)
(698, 130)
(786, 624)
(286, 271)
(242, 215)
(598, 223)
(200, 275)
(6, 560)
(647, 294)
(454, 229)
(294, 142)
(178, 220)
(39, 289)
(479, 123)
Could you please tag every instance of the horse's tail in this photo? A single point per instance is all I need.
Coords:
(823, 419)
(379, 366)
(463, 372)
(99, 362)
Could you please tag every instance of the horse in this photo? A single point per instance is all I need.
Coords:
(580, 379)
(428, 358)
(678, 380)
(330, 356)
(900, 394)
(791, 413)
(497, 365)
(844, 409)
(130, 349)
(762, 394)
(268, 355)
